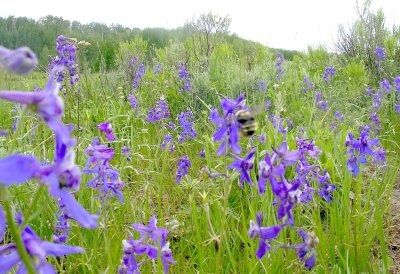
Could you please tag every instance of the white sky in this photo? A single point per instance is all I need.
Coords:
(288, 24)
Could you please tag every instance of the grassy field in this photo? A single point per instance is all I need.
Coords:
(209, 218)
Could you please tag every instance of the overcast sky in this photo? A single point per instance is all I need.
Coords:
(288, 24)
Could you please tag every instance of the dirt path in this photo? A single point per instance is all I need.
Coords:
(394, 241)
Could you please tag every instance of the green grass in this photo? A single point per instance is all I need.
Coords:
(214, 214)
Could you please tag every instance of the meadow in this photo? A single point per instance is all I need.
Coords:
(157, 138)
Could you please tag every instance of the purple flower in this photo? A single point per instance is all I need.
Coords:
(133, 101)
(183, 168)
(279, 66)
(157, 69)
(385, 85)
(286, 157)
(202, 153)
(338, 115)
(263, 85)
(37, 249)
(309, 84)
(149, 236)
(188, 132)
(380, 53)
(265, 234)
(47, 104)
(107, 178)
(19, 61)
(168, 139)
(227, 125)
(107, 129)
(244, 166)
(66, 48)
(375, 119)
(329, 74)
(126, 151)
(158, 235)
(139, 74)
(262, 137)
(308, 246)
(396, 82)
(63, 227)
(184, 76)
(267, 171)
(160, 112)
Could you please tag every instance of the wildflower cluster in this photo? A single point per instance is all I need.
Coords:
(106, 179)
(184, 76)
(168, 141)
(309, 85)
(138, 71)
(279, 66)
(187, 130)
(158, 113)
(359, 150)
(282, 124)
(133, 102)
(152, 243)
(321, 104)
(67, 49)
(61, 178)
(329, 74)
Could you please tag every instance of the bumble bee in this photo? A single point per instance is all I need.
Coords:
(247, 123)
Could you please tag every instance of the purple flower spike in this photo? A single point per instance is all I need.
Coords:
(380, 53)
(19, 61)
(329, 74)
(244, 166)
(266, 234)
(183, 164)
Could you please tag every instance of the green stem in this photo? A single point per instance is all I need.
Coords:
(18, 240)
(27, 213)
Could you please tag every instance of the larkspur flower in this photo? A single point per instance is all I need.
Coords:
(244, 166)
(126, 151)
(369, 91)
(227, 126)
(263, 85)
(186, 125)
(47, 104)
(308, 246)
(329, 74)
(19, 61)
(202, 153)
(3, 132)
(322, 105)
(183, 168)
(380, 53)
(157, 69)
(168, 140)
(268, 172)
(265, 235)
(159, 113)
(309, 85)
(107, 129)
(63, 227)
(375, 119)
(267, 105)
(184, 76)
(37, 249)
(262, 138)
(66, 48)
(396, 82)
(385, 85)
(106, 179)
(149, 235)
(133, 101)
(338, 115)
(279, 66)
(138, 75)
